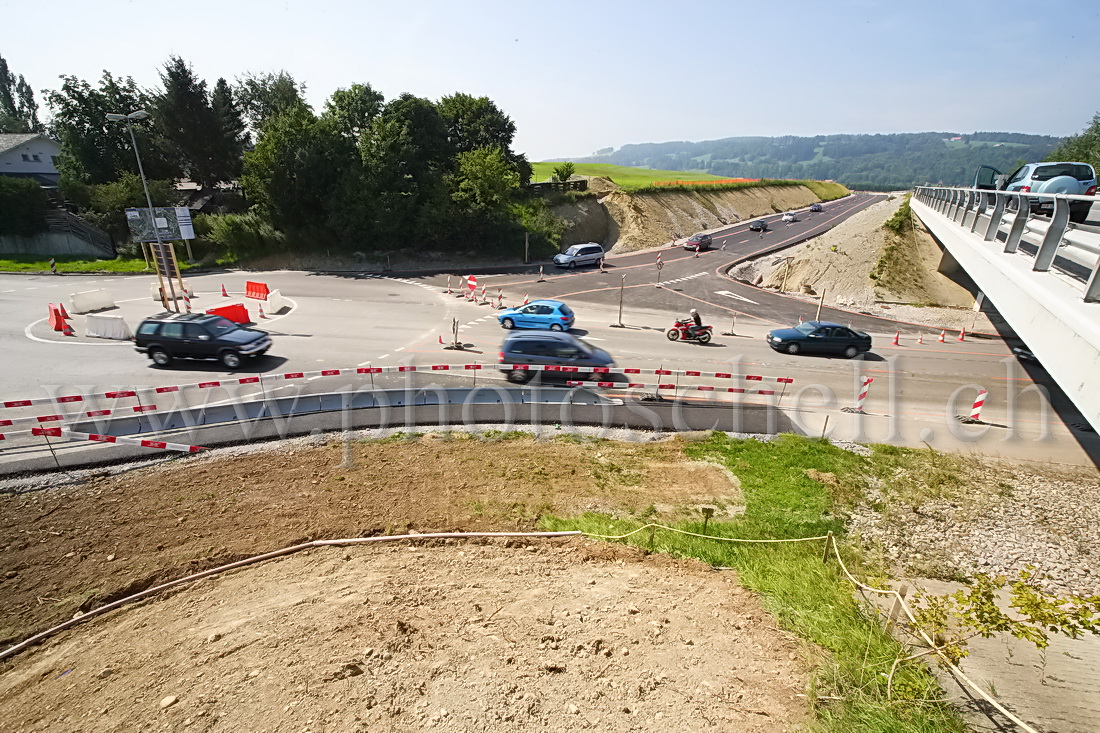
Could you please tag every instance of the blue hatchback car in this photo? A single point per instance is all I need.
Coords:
(551, 314)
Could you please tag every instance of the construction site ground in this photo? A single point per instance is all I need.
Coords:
(556, 635)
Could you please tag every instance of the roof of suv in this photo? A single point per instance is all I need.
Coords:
(191, 317)
(540, 336)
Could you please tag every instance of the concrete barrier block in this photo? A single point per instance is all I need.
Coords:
(91, 300)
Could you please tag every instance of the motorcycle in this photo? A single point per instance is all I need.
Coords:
(686, 330)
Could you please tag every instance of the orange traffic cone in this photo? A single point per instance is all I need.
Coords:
(920, 339)
(224, 294)
(897, 337)
(68, 330)
(64, 314)
(440, 340)
(962, 335)
(943, 337)
(261, 307)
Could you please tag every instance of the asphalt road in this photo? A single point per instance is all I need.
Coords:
(352, 320)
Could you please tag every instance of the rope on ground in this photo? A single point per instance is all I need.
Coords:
(260, 558)
(703, 536)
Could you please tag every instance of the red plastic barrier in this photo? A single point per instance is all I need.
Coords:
(234, 312)
(57, 321)
(255, 290)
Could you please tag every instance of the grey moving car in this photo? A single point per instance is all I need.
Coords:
(171, 336)
(579, 255)
(1047, 177)
(549, 349)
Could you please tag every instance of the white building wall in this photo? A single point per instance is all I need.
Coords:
(34, 156)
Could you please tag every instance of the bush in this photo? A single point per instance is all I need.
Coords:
(243, 235)
(902, 220)
(22, 207)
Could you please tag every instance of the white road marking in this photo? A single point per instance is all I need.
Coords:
(399, 348)
(728, 294)
(382, 357)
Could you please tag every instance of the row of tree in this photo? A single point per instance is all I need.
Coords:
(363, 173)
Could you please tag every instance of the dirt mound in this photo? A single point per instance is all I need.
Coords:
(461, 635)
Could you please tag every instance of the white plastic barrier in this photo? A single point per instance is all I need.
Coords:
(108, 327)
(154, 290)
(275, 302)
(91, 300)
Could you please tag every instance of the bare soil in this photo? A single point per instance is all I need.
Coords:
(492, 635)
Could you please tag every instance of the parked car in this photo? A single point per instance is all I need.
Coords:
(816, 207)
(790, 216)
(552, 314)
(758, 226)
(580, 254)
(698, 242)
(169, 336)
(558, 349)
(820, 337)
(1050, 177)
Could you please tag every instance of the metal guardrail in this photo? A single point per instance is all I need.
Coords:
(1005, 217)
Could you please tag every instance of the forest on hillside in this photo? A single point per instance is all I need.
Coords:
(874, 162)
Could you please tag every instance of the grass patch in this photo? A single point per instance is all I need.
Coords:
(37, 263)
(624, 176)
(827, 190)
(798, 487)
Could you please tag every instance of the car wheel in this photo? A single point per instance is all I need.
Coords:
(572, 265)
(555, 326)
(160, 357)
(793, 348)
(704, 338)
(230, 359)
(851, 352)
(673, 334)
(519, 376)
(1079, 217)
(508, 323)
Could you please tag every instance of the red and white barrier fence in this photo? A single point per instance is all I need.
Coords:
(142, 442)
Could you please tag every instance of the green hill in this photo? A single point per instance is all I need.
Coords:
(882, 162)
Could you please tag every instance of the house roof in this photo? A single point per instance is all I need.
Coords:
(14, 140)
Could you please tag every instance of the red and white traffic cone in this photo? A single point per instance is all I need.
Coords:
(53, 266)
(261, 307)
(525, 300)
(448, 288)
(943, 337)
(696, 250)
(500, 300)
(920, 339)
(187, 303)
(224, 294)
(541, 278)
(800, 319)
(897, 339)
(64, 314)
(962, 335)
(484, 299)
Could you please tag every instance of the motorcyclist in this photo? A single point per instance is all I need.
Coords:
(697, 320)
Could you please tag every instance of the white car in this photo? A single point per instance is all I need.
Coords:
(790, 216)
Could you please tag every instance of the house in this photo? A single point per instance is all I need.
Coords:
(30, 156)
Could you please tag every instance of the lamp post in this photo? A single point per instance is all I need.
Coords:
(129, 119)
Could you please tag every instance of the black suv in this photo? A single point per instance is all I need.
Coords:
(548, 349)
(198, 336)
(698, 242)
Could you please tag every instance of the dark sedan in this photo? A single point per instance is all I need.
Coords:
(758, 226)
(820, 337)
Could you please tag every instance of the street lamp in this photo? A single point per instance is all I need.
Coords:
(130, 119)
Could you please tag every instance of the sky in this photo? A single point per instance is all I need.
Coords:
(579, 76)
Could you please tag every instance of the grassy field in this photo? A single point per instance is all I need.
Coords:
(622, 175)
(793, 487)
(35, 263)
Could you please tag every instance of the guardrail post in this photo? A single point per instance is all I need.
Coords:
(1044, 258)
(1092, 288)
(979, 209)
(995, 217)
(1012, 243)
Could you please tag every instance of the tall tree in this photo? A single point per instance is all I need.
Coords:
(18, 109)
(95, 150)
(353, 109)
(263, 96)
(188, 123)
(1083, 147)
(295, 168)
(476, 122)
(233, 134)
